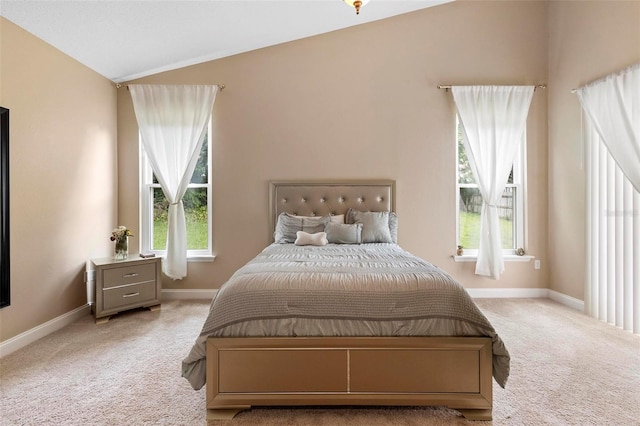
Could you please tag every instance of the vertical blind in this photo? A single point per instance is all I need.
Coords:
(613, 239)
(611, 108)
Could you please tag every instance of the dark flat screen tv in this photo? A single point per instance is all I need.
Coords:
(5, 275)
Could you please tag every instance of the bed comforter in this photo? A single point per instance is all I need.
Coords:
(341, 290)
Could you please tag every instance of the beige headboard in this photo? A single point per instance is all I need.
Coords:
(321, 198)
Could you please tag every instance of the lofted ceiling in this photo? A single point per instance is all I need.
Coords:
(127, 39)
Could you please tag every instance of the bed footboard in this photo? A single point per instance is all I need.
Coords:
(411, 371)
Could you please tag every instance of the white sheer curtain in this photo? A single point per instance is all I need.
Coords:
(494, 122)
(613, 107)
(611, 130)
(173, 123)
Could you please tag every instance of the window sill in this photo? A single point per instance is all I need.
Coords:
(507, 258)
(202, 258)
(197, 258)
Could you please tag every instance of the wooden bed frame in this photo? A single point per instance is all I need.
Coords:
(390, 371)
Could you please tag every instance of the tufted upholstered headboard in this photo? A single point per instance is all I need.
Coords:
(321, 198)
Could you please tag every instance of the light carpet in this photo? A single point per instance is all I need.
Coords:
(567, 369)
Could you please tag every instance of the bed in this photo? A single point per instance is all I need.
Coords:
(352, 322)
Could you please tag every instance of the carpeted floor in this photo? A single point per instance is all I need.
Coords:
(567, 369)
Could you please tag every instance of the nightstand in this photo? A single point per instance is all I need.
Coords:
(121, 285)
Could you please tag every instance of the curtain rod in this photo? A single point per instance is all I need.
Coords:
(118, 85)
(536, 87)
(597, 80)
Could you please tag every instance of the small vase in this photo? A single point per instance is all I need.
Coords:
(121, 251)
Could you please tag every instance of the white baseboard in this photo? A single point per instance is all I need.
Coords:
(569, 301)
(510, 293)
(30, 336)
(178, 294)
(527, 293)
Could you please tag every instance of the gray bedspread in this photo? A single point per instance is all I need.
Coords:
(341, 290)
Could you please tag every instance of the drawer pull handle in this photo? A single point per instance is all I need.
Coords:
(130, 275)
(131, 294)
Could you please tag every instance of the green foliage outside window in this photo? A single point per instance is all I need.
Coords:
(195, 208)
(470, 203)
(470, 231)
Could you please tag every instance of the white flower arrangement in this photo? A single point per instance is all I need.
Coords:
(120, 233)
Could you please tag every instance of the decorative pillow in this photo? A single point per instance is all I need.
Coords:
(288, 225)
(306, 239)
(393, 227)
(339, 233)
(337, 218)
(375, 226)
(393, 223)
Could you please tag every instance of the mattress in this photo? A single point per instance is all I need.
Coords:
(341, 290)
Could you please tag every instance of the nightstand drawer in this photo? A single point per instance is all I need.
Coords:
(114, 277)
(121, 297)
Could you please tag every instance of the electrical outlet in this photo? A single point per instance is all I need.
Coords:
(536, 264)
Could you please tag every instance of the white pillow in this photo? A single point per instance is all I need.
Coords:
(336, 218)
(306, 239)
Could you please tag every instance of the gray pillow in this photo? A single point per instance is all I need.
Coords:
(375, 226)
(393, 223)
(288, 225)
(339, 233)
(393, 227)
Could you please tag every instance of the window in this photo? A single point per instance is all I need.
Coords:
(154, 207)
(469, 203)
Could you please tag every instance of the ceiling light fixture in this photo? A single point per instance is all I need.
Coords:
(356, 4)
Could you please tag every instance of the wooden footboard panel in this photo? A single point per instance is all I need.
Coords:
(449, 371)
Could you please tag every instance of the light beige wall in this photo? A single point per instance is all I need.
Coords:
(361, 103)
(62, 176)
(587, 40)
